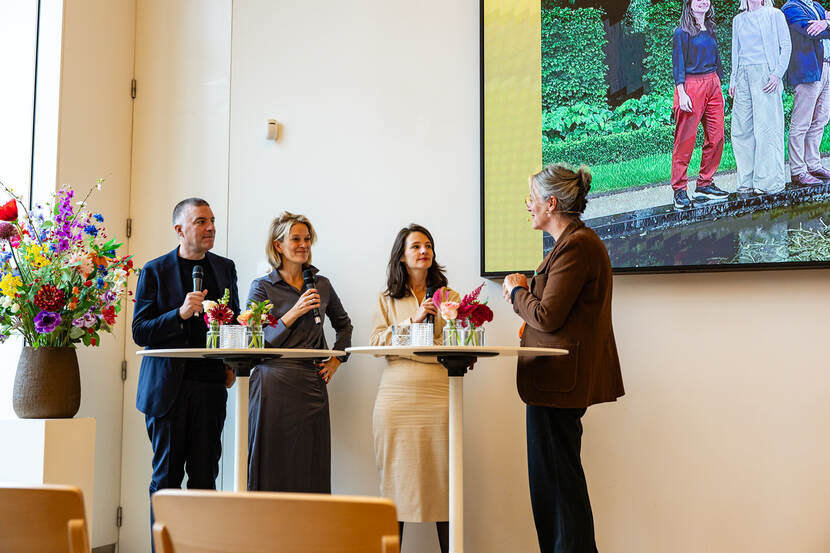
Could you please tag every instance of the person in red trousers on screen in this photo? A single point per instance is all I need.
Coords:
(697, 98)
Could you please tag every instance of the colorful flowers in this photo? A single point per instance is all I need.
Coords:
(60, 278)
(7, 231)
(10, 284)
(34, 255)
(47, 321)
(471, 312)
(8, 211)
(216, 314)
(49, 298)
(256, 316)
(449, 310)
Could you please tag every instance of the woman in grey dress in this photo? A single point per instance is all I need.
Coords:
(289, 440)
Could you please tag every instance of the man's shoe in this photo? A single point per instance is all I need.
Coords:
(711, 193)
(682, 201)
(805, 179)
(821, 173)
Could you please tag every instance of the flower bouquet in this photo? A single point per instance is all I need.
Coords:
(255, 317)
(464, 319)
(61, 282)
(217, 313)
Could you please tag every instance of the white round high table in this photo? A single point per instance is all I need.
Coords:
(242, 361)
(456, 359)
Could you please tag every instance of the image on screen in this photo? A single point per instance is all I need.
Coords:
(704, 126)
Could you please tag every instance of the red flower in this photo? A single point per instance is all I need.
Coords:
(272, 320)
(480, 314)
(88, 283)
(219, 313)
(49, 298)
(108, 313)
(93, 341)
(8, 211)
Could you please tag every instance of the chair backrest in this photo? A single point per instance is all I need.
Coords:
(42, 519)
(254, 522)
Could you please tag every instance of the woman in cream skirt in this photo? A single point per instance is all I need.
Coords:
(410, 420)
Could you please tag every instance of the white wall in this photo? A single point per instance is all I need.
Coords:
(718, 445)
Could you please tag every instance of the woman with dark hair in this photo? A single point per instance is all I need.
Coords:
(566, 305)
(697, 98)
(289, 431)
(410, 420)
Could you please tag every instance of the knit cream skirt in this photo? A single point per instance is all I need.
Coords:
(411, 431)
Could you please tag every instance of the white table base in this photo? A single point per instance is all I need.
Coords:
(240, 461)
(456, 464)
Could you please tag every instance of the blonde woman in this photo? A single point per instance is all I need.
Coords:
(410, 420)
(760, 55)
(289, 433)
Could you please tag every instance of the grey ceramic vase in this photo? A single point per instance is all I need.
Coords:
(47, 384)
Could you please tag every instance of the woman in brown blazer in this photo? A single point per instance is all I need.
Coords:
(566, 305)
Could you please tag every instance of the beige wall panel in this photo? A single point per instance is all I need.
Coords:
(94, 141)
(180, 149)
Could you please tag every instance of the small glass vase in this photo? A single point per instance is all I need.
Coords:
(212, 340)
(256, 337)
(473, 336)
(453, 333)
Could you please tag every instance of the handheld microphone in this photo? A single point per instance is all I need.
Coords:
(430, 318)
(308, 280)
(198, 277)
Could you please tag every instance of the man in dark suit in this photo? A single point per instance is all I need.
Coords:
(183, 400)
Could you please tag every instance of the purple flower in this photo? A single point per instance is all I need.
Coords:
(86, 321)
(47, 321)
(109, 296)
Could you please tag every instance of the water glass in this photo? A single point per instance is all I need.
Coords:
(422, 334)
(233, 336)
(400, 335)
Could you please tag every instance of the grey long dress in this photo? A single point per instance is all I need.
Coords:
(289, 438)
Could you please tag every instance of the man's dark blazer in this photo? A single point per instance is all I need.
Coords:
(156, 325)
(568, 306)
(807, 56)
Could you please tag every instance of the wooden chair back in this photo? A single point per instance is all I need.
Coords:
(255, 522)
(42, 519)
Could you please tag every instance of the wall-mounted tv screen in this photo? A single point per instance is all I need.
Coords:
(703, 126)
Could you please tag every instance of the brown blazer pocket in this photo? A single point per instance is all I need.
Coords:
(553, 373)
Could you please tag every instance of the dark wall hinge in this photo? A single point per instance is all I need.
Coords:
(123, 370)
(129, 227)
(133, 89)
(119, 516)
